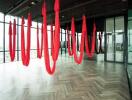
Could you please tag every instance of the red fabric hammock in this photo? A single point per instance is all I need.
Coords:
(12, 35)
(25, 53)
(89, 52)
(56, 38)
(80, 58)
(39, 50)
(70, 52)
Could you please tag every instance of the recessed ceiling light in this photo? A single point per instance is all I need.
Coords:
(33, 3)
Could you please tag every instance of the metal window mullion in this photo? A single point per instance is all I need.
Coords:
(114, 41)
(65, 43)
(61, 42)
(4, 40)
(17, 39)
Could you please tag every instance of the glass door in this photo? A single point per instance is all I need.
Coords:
(130, 41)
(110, 39)
(115, 39)
(119, 35)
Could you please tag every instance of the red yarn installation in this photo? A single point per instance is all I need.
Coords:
(56, 38)
(25, 53)
(89, 52)
(70, 52)
(39, 50)
(79, 59)
(12, 47)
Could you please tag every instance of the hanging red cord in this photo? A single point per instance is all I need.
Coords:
(70, 52)
(39, 50)
(25, 54)
(89, 52)
(80, 58)
(12, 36)
(56, 38)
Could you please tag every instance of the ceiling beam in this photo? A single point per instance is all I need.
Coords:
(69, 8)
(16, 6)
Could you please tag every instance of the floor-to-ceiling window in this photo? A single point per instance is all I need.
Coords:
(129, 67)
(115, 39)
(4, 38)
(63, 41)
(8, 18)
(1, 36)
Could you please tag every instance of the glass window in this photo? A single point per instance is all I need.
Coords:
(1, 36)
(34, 24)
(34, 38)
(1, 17)
(119, 24)
(110, 25)
(130, 41)
(49, 39)
(33, 54)
(9, 18)
(7, 56)
(110, 38)
(119, 32)
(6, 36)
(1, 57)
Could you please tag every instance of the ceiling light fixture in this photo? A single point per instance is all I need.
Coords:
(33, 3)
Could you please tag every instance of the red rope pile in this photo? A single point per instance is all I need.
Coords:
(12, 37)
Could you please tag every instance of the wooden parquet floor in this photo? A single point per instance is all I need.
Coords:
(88, 81)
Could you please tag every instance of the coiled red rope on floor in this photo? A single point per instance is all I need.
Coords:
(12, 37)
(25, 53)
(80, 58)
(39, 49)
(56, 40)
(70, 48)
(89, 52)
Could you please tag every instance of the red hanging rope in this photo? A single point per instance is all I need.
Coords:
(12, 36)
(70, 52)
(39, 50)
(25, 54)
(89, 52)
(56, 40)
(80, 58)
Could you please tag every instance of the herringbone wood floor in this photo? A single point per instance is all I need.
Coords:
(88, 81)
